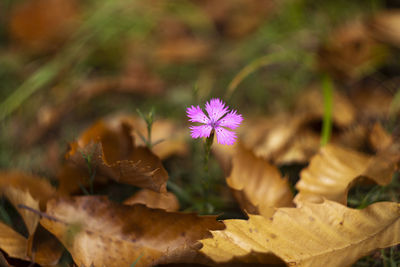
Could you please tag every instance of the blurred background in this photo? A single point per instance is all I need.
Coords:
(65, 64)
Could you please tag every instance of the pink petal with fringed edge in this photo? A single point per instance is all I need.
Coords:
(216, 109)
(231, 120)
(225, 137)
(200, 131)
(195, 114)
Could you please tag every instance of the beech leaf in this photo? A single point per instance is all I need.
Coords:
(40, 246)
(257, 184)
(326, 234)
(333, 171)
(166, 201)
(108, 149)
(39, 188)
(98, 232)
(18, 197)
(12, 242)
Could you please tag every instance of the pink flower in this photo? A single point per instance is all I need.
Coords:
(218, 117)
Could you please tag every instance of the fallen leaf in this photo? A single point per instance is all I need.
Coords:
(334, 170)
(166, 201)
(372, 100)
(270, 137)
(38, 187)
(44, 250)
(167, 136)
(18, 197)
(12, 242)
(384, 27)
(41, 25)
(99, 233)
(112, 152)
(379, 138)
(257, 184)
(325, 234)
(3, 261)
(238, 18)
(184, 49)
(350, 53)
(310, 104)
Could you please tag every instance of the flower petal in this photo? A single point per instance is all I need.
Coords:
(195, 114)
(225, 137)
(231, 120)
(200, 131)
(216, 109)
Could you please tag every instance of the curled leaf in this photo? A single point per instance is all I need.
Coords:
(325, 234)
(257, 184)
(334, 170)
(166, 201)
(12, 242)
(40, 247)
(107, 150)
(99, 233)
(38, 187)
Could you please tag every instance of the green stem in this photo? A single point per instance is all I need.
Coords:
(207, 150)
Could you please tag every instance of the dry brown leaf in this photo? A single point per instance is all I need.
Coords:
(44, 249)
(379, 138)
(326, 234)
(38, 187)
(257, 184)
(167, 136)
(3, 261)
(112, 153)
(13, 243)
(18, 197)
(270, 137)
(239, 17)
(295, 138)
(334, 170)
(351, 52)
(183, 50)
(96, 231)
(311, 105)
(372, 100)
(166, 201)
(42, 24)
(384, 27)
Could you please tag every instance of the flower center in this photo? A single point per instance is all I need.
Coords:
(214, 124)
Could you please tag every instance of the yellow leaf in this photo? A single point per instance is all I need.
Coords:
(257, 184)
(334, 170)
(96, 231)
(18, 197)
(13, 243)
(40, 247)
(326, 234)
